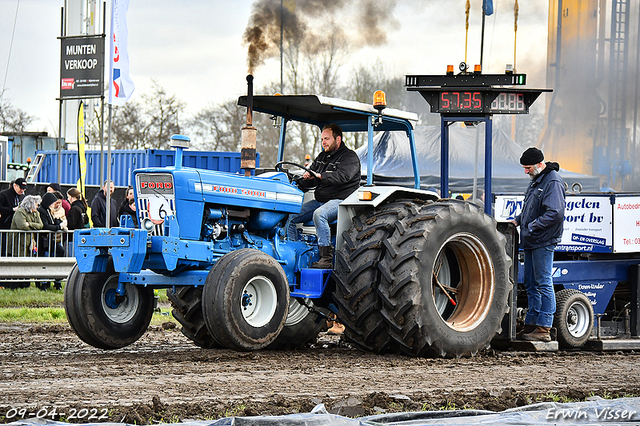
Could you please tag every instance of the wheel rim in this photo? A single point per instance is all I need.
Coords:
(439, 297)
(258, 301)
(578, 319)
(473, 293)
(297, 312)
(119, 309)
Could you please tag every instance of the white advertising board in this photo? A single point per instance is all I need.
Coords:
(626, 232)
(587, 221)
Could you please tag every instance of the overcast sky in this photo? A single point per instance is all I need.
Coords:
(194, 49)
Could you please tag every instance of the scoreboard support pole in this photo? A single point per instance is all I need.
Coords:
(445, 123)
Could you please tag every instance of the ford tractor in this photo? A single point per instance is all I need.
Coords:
(413, 273)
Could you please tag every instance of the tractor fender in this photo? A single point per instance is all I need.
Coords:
(352, 206)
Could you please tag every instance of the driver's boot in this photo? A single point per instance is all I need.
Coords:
(326, 258)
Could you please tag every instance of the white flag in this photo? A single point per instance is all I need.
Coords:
(120, 85)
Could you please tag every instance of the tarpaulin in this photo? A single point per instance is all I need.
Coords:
(392, 161)
(622, 411)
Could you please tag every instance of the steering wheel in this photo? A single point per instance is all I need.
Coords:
(279, 168)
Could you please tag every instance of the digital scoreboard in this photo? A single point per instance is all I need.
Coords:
(476, 101)
(475, 94)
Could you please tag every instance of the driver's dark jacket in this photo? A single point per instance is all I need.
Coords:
(340, 170)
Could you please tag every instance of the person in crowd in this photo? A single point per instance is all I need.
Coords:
(25, 218)
(129, 206)
(99, 208)
(51, 244)
(541, 223)
(335, 175)
(55, 187)
(58, 211)
(10, 199)
(48, 244)
(77, 217)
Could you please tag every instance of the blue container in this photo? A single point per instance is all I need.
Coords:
(123, 162)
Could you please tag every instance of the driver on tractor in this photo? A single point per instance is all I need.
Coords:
(336, 174)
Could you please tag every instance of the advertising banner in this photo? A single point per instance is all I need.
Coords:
(81, 67)
(626, 232)
(588, 223)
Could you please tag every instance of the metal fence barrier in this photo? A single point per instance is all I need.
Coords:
(36, 255)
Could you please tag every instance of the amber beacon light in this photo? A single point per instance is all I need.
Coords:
(379, 100)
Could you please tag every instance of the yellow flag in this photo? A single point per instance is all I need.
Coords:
(82, 161)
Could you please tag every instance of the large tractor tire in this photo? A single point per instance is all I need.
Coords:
(99, 316)
(187, 310)
(445, 280)
(357, 276)
(301, 326)
(245, 300)
(573, 318)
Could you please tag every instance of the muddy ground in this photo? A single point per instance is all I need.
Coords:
(48, 371)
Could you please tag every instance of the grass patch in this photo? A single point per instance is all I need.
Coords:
(53, 315)
(32, 305)
(31, 297)
(33, 315)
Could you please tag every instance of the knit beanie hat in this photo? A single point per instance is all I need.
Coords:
(531, 156)
(48, 199)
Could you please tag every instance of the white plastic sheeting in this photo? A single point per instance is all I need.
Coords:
(623, 411)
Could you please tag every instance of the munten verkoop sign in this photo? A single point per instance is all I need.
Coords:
(81, 67)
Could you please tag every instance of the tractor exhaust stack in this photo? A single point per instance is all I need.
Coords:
(248, 150)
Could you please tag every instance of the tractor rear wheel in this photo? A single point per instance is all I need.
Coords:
(99, 316)
(245, 300)
(445, 280)
(573, 318)
(357, 276)
(187, 310)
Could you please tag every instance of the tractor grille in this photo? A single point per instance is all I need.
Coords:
(156, 199)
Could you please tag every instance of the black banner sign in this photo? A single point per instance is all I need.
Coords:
(82, 67)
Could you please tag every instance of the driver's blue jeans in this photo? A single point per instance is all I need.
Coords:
(321, 213)
(538, 267)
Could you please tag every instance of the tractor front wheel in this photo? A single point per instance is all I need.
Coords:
(301, 326)
(245, 300)
(187, 310)
(102, 318)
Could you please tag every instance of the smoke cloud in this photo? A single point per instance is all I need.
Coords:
(311, 23)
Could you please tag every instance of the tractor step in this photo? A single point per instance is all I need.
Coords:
(613, 345)
(525, 345)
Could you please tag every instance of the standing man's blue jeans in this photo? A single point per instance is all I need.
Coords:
(538, 265)
(321, 213)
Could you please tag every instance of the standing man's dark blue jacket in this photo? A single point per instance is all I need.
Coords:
(542, 216)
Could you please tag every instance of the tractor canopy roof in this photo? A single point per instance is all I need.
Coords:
(351, 116)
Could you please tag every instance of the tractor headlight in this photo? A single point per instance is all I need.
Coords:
(147, 224)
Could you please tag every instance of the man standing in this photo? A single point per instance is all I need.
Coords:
(336, 174)
(99, 208)
(540, 224)
(10, 199)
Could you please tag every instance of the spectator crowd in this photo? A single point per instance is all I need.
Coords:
(53, 212)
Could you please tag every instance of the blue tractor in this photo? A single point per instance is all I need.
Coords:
(413, 273)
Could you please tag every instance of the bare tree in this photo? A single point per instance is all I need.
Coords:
(129, 127)
(13, 119)
(218, 127)
(149, 124)
(162, 112)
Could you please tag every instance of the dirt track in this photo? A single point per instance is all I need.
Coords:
(163, 377)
